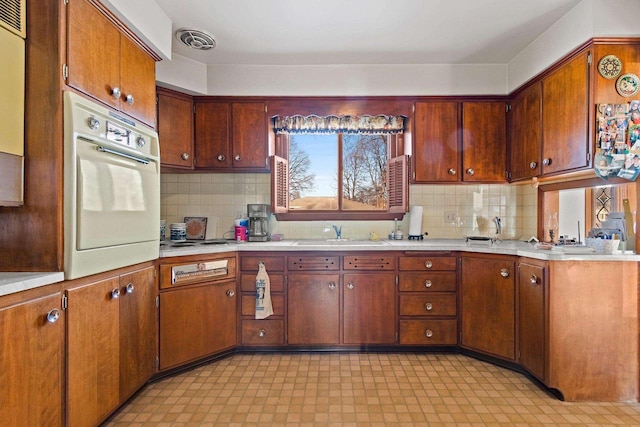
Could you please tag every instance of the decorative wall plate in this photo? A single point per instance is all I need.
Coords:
(196, 227)
(628, 85)
(610, 66)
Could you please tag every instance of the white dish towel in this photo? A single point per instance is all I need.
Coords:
(264, 308)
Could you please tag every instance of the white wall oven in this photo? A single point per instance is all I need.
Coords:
(111, 189)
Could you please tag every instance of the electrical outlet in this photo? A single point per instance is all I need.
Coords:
(449, 216)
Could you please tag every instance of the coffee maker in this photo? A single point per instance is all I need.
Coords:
(258, 222)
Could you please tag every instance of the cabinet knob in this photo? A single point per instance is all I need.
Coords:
(546, 162)
(533, 279)
(504, 272)
(428, 283)
(332, 285)
(350, 285)
(470, 171)
(129, 98)
(185, 156)
(428, 306)
(93, 123)
(115, 92)
(428, 264)
(129, 288)
(237, 158)
(262, 333)
(140, 141)
(230, 293)
(451, 171)
(115, 294)
(53, 315)
(222, 157)
(533, 165)
(428, 333)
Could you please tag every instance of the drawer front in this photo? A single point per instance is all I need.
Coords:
(433, 282)
(263, 332)
(201, 271)
(428, 263)
(271, 263)
(370, 262)
(249, 305)
(303, 263)
(428, 304)
(428, 332)
(248, 282)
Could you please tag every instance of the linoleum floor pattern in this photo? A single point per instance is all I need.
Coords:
(359, 389)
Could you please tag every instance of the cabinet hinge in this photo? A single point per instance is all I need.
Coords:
(64, 301)
(507, 175)
(588, 157)
(158, 301)
(507, 107)
(65, 71)
(396, 280)
(156, 362)
(265, 108)
(589, 58)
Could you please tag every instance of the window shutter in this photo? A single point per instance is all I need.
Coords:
(397, 182)
(279, 185)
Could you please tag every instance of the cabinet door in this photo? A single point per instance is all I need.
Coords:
(525, 142)
(250, 137)
(175, 129)
(565, 117)
(31, 363)
(196, 322)
(531, 319)
(93, 50)
(138, 330)
(488, 305)
(212, 144)
(313, 309)
(436, 156)
(92, 352)
(484, 141)
(137, 82)
(369, 308)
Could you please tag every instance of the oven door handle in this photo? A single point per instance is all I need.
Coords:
(117, 153)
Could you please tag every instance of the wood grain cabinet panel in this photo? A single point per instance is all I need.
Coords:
(427, 263)
(175, 129)
(484, 142)
(428, 304)
(250, 137)
(212, 135)
(419, 282)
(436, 152)
(369, 312)
(262, 332)
(525, 133)
(532, 286)
(429, 332)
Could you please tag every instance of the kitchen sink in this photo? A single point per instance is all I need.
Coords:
(341, 242)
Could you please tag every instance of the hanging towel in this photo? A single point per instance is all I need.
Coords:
(264, 308)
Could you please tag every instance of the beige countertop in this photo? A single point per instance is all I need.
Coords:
(15, 282)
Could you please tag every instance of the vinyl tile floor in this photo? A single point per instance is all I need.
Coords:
(359, 389)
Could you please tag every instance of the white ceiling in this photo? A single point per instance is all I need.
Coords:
(303, 32)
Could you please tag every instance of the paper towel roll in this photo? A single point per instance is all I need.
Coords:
(415, 221)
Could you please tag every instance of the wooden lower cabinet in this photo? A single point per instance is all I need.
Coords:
(532, 288)
(31, 358)
(111, 345)
(429, 331)
(369, 311)
(487, 300)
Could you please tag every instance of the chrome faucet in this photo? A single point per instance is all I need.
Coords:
(338, 231)
(498, 222)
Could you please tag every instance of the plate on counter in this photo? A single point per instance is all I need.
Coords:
(196, 227)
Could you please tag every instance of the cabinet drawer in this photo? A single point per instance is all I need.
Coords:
(248, 282)
(370, 262)
(429, 263)
(313, 263)
(201, 271)
(428, 304)
(428, 332)
(412, 282)
(249, 305)
(271, 263)
(263, 332)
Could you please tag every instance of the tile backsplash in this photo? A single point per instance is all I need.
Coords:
(449, 211)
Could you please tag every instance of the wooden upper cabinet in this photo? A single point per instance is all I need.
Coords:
(102, 61)
(250, 135)
(212, 144)
(484, 141)
(525, 142)
(175, 129)
(436, 156)
(566, 144)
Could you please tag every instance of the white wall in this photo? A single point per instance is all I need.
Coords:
(571, 211)
(182, 74)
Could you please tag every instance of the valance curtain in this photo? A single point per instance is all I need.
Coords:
(367, 125)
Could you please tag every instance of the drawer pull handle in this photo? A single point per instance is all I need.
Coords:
(428, 283)
(230, 293)
(115, 294)
(534, 279)
(237, 158)
(130, 99)
(428, 264)
(332, 285)
(451, 171)
(115, 92)
(221, 157)
(533, 165)
(350, 285)
(428, 306)
(129, 288)
(428, 333)
(53, 315)
(185, 156)
(504, 272)
(262, 333)
(470, 172)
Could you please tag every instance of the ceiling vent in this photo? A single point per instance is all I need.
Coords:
(196, 39)
(12, 16)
